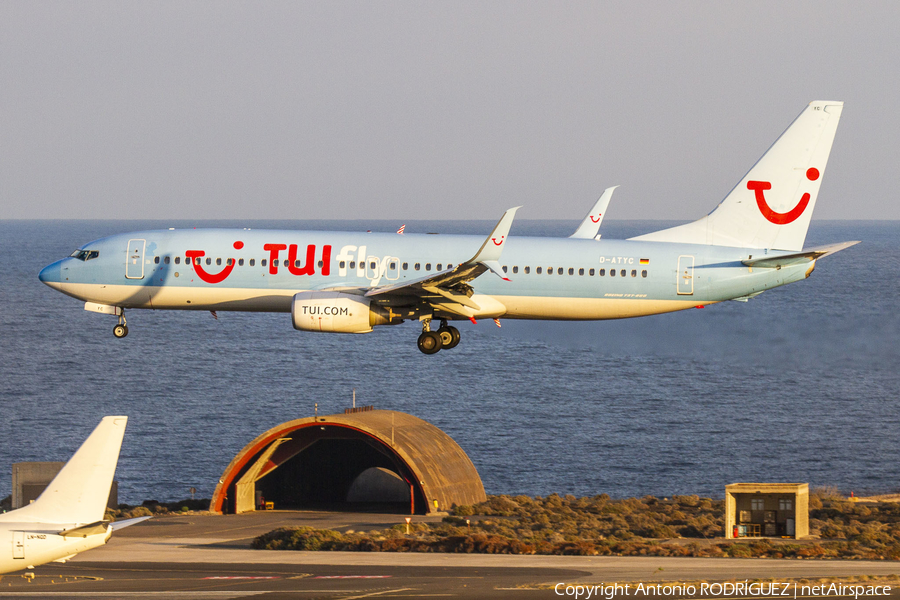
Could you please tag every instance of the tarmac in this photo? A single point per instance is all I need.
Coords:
(209, 556)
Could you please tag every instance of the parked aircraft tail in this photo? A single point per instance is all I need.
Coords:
(772, 205)
(80, 491)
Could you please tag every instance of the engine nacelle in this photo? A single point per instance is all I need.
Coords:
(336, 312)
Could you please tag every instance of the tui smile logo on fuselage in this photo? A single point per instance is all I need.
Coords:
(292, 263)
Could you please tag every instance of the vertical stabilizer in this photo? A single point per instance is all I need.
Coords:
(79, 492)
(772, 205)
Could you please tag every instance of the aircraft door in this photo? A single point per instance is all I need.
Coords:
(134, 267)
(685, 275)
(373, 268)
(18, 544)
(393, 268)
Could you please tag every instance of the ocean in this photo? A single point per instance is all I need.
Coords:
(800, 384)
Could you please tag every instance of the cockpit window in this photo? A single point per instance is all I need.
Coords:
(85, 254)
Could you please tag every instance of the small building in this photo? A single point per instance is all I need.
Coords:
(767, 510)
(29, 479)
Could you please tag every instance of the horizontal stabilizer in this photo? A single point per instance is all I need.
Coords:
(86, 530)
(128, 522)
(786, 260)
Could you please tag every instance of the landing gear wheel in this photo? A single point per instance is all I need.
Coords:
(449, 336)
(120, 331)
(429, 342)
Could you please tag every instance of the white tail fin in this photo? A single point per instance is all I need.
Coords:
(772, 205)
(79, 492)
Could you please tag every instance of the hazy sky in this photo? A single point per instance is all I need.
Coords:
(420, 110)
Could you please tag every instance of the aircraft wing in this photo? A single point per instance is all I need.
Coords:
(591, 223)
(776, 262)
(449, 287)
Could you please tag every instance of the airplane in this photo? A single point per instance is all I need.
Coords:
(346, 282)
(68, 516)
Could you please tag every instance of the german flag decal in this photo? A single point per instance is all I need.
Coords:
(645, 261)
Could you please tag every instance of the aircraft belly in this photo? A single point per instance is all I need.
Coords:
(185, 298)
(586, 309)
(129, 296)
(216, 298)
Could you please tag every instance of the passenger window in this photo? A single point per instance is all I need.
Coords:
(240, 262)
(515, 269)
(527, 270)
(373, 266)
(405, 266)
(634, 273)
(439, 267)
(591, 272)
(505, 269)
(262, 262)
(252, 262)
(549, 270)
(156, 260)
(622, 272)
(208, 261)
(581, 271)
(538, 270)
(393, 265)
(644, 273)
(320, 264)
(602, 273)
(571, 271)
(449, 266)
(427, 266)
(352, 264)
(418, 266)
(218, 261)
(177, 260)
(612, 272)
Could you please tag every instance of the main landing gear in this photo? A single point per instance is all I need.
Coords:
(121, 329)
(446, 337)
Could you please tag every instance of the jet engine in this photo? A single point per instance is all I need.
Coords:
(337, 312)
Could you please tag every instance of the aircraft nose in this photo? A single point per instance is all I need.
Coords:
(50, 273)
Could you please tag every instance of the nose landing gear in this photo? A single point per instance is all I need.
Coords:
(121, 329)
(430, 342)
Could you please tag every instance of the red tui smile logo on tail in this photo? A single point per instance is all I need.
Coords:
(760, 187)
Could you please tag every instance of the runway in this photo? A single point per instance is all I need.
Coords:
(208, 556)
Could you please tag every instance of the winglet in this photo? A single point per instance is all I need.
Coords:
(591, 223)
(493, 246)
(496, 269)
